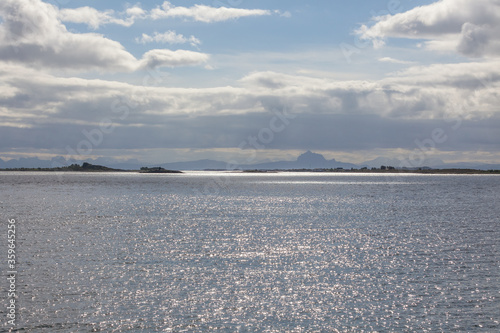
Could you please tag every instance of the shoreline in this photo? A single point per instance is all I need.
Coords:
(356, 171)
(395, 171)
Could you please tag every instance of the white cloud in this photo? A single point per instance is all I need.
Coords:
(285, 14)
(92, 17)
(204, 13)
(170, 37)
(135, 12)
(95, 19)
(470, 27)
(31, 33)
(395, 61)
(168, 58)
(420, 92)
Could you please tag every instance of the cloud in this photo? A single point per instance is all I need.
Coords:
(286, 14)
(473, 76)
(419, 92)
(43, 111)
(92, 17)
(395, 61)
(467, 90)
(474, 40)
(168, 58)
(204, 13)
(95, 19)
(469, 27)
(31, 33)
(170, 37)
(135, 12)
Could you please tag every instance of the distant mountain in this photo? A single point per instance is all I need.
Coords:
(27, 162)
(131, 164)
(310, 160)
(307, 160)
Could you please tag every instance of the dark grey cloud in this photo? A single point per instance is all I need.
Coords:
(474, 39)
(306, 131)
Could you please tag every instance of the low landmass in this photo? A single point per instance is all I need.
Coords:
(157, 170)
(87, 167)
(387, 170)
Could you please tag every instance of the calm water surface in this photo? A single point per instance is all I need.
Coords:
(217, 252)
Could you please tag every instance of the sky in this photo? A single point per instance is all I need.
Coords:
(250, 81)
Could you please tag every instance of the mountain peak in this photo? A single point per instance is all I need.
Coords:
(311, 157)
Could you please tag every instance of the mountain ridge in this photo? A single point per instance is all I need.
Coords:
(307, 160)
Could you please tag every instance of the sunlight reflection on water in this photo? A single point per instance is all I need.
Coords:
(265, 253)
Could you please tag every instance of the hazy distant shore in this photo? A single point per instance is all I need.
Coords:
(101, 169)
(426, 171)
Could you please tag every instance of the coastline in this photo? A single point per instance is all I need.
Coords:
(394, 171)
(87, 167)
(355, 171)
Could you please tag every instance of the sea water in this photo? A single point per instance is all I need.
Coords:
(239, 252)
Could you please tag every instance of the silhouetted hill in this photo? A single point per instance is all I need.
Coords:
(308, 160)
(85, 167)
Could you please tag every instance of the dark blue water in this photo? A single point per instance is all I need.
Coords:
(205, 252)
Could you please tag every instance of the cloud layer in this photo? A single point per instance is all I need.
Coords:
(44, 111)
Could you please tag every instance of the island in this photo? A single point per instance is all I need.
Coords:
(87, 167)
(385, 170)
(158, 170)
